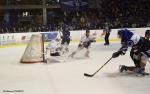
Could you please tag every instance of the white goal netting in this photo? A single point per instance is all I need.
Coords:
(34, 51)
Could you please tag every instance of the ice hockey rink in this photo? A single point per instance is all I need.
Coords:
(67, 77)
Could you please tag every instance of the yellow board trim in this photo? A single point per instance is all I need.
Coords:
(73, 41)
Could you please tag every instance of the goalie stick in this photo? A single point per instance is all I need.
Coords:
(91, 75)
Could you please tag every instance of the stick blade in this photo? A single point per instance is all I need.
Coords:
(88, 75)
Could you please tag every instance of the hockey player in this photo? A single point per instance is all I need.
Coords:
(147, 34)
(65, 38)
(140, 52)
(85, 42)
(106, 32)
(54, 48)
(133, 52)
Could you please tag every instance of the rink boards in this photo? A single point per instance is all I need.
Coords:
(20, 39)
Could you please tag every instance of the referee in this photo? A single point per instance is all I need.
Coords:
(107, 31)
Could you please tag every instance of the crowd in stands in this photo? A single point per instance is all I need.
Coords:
(76, 21)
(126, 13)
(27, 28)
(117, 13)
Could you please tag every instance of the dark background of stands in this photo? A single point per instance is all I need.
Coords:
(47, 15)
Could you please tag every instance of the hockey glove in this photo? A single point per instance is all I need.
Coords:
(116, 54)
(80, 45)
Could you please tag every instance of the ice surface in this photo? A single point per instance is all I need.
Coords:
(68, 77)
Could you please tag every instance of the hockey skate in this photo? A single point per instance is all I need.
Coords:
(87, 55)
(141, 72)
(67, 50)
(72, 55)
(122, 68)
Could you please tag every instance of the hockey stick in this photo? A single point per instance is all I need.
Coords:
(91, 75)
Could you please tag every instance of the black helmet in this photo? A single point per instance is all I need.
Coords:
(120, 32)
(147, 32)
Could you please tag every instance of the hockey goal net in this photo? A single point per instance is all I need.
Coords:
(34, 51)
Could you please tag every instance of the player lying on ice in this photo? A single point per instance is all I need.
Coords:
(85, 42)
(140, 52)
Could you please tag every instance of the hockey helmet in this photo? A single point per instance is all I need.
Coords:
(147, 32)
(125, 34)
(87, 31)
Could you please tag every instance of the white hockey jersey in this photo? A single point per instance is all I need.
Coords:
(54, 46)
(84, 38)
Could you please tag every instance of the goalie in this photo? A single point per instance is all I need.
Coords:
(54, 48)
(85, 42)
(140, 52)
